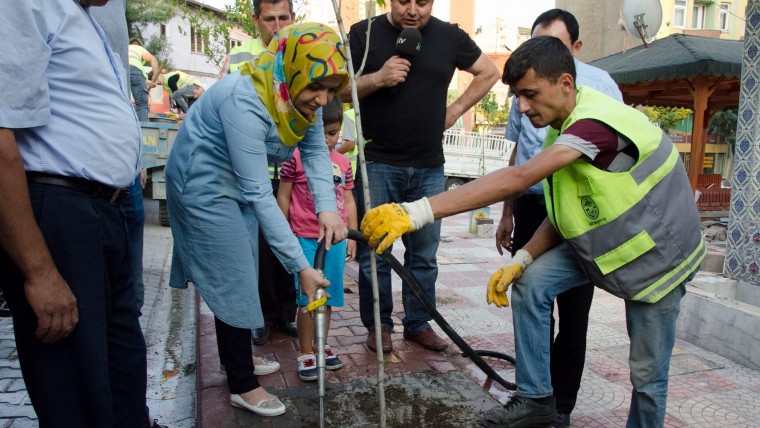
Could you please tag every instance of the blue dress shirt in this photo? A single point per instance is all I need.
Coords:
(63, 94)
(219, 194)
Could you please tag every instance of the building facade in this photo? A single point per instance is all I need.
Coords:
(602, 33)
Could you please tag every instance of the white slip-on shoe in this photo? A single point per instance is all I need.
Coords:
(270, 406)
(262, 366)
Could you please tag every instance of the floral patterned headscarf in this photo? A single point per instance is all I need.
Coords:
(297, 56)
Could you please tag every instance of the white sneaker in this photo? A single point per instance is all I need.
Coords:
(332, 362)
(307, 367)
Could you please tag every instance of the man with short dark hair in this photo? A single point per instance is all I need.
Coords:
(404, 114)
(269, 16)
(621, 214)
(568, 349)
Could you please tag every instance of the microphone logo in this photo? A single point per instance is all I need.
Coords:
(409, 42)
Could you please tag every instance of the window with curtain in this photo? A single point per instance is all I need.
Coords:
(198, 40)
(723, 18)
(679, 14)
(698, 17)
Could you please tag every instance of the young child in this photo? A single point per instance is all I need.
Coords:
(297, 204)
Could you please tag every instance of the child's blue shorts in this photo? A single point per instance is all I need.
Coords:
(335, 263)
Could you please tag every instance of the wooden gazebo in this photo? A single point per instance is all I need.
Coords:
(699, 73)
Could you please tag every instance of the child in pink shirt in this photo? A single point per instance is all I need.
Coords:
(297, 204)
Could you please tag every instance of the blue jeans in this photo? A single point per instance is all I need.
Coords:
(139, 92)
(402, 184)
(651, 329)
(181, 95)
(134, 215)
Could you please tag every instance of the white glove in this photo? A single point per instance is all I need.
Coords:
(419, 212)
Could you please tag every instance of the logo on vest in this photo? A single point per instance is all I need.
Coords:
(590, 208)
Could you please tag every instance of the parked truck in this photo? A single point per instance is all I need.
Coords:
(157, 138)
(470, 155)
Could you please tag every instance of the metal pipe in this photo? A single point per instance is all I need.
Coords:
(320, 338)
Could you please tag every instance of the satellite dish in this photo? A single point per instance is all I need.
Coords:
(642, 18)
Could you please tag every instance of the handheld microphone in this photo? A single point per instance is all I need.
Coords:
(408, 45)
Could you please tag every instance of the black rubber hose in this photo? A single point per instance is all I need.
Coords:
(319, 263)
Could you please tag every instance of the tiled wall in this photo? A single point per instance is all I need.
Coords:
(743, 251)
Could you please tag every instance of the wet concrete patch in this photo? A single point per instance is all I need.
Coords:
(420, 400)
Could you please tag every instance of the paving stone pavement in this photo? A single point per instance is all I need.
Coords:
(706, 390)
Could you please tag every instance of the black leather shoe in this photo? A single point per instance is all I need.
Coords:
(563, 420)
(260, 336)
(290, 328)
(520, 412)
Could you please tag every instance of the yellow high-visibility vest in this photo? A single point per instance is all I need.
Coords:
(637, 233)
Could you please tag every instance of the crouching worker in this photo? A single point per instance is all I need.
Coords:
(620, 214)
(183, 88)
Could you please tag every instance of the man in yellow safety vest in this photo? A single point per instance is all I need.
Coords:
(621, 214)
(182, 86)
(139, 57)
(269, 16)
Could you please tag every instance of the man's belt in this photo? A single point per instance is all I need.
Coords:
(112, 195)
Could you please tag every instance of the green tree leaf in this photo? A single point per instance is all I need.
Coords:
(489, 113)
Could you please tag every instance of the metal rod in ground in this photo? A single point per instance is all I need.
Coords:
(320, 338)
(367, 205)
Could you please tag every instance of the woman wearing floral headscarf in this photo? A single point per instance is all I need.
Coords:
(219, 192)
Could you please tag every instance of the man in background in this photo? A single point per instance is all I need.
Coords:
(139, 57)
(276, 286)
(568, 348)
(182, 87)
(269, 16)
(404, 114)
(347, 145)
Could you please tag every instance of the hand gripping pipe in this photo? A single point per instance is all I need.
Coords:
(319, 263)
(320, 338)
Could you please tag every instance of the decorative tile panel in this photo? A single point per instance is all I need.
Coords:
(743, 246)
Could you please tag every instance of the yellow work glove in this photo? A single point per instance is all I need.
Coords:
(385, 223)
(496, 292)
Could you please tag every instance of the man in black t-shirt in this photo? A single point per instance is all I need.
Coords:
(404, 114)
